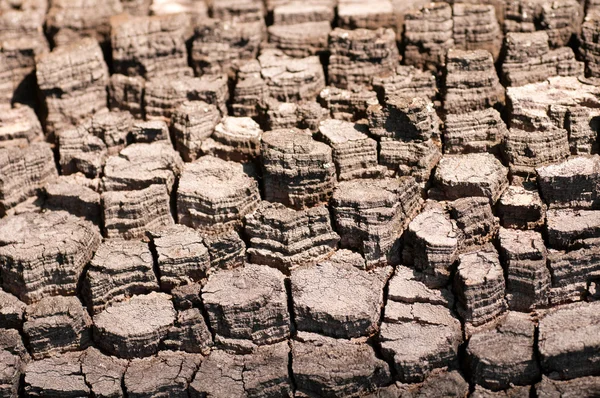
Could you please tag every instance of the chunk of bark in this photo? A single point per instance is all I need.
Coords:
(214, 195)
(137, 7)
(113, 128)
(280, 115)
(126, 93)
(242, 10)
(141, 165)
(359, 55)
(103, 374)
(404, 119)
(568, 345)
(150, 46)
(11, 311)
(250, 91)
(181, 256)
(129, 214)
(521, 208)
(568, 228)
(163, 95)
(72, 80)
(169, 374)
(431, 245)
(410, 158)
(136, 327)
(186, 297)
(248, 303)
(190, 333)
(493, 366)
(337, 299)
(301, 39)
(44, 254)
(81, 152)
(56, 325)
(291, 79)
(408, 81)
(528, 282)
(476, 28)
(470, 82)
(192, 123)
(56, 377)
(117, 271)
(428, 35)
(561, 20)
(295, 12)
(10, 376)
(476, 221)
(297, 170)
(11, 341)
(19, 127)
(573, 272)
(419, 318)
(572, 183)
(310, 115)
(226, 250)
(526, 150)
(529, 59)
(479, 174)
(22, 36)
(372, 15)
(234, 138)
(222, 46)
(348, 105)
(473, 132)
(286, 238)
(440, 383)
(262, 373)
(149, 132)
(370, 215)
(69, 194)
(328, 367)
(24, 172)
(582, 386)
(561, 101)
(68, 21)
(480, 287)
(353, 152)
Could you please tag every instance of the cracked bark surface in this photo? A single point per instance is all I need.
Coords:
(44, 254)
(117, 271)
(215, 195)
(134, 328)
(337, 299)
(248, 304)
(299, 198)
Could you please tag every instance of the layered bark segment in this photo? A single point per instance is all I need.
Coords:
(215, 195)
(117, 271)
(370, 216)
(72, 80)
(44, 254)
(247, 306)
(136, 327)
(337, 299)
(359, 55)
(297, 170)
(336, 367)
(420, 332)
(23, 173)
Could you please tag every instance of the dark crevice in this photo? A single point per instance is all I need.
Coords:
(206, 317)
(155, 267)
(374, 340)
